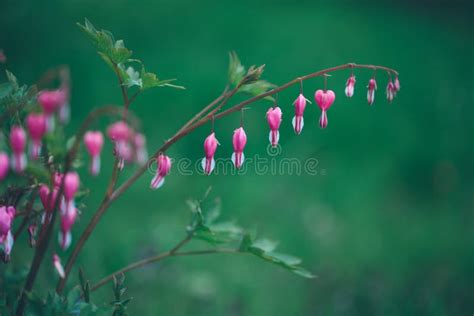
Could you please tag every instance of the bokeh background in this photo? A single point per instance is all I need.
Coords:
(386, 224)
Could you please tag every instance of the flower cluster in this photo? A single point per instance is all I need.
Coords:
(324, 99)
(129, 145)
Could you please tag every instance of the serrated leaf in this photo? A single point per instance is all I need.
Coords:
(12, 79)
(236, 69)
(265, 245)
(150, 80)
(257, 88)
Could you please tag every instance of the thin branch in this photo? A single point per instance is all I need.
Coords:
(160, 257)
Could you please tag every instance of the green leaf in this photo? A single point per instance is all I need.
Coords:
(246, 243)
(236, 69)
(12, 79)
(266, 245)
(257, 88)
(150, 80)
(115, 51)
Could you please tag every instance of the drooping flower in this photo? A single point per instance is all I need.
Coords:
(94, 140)
(68, 218)
(390, 91)
(50, 101)
(350, 83)
(396, 84)
(120, 133)
(210, 145)
(274, 121)
(36, 124)
(141, 153)
(371, 91)
(7, 214)
(58, 266)
(17, 143)
(298, 120)
(48, 199)
(324, 99)
(239, 140)
(71, 185)
(163, 163)
(4, 162)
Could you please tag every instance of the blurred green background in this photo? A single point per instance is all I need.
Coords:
(386, 224)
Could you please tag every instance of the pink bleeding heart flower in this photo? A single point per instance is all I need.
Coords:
(324, 99)
(57, 179)
(239, 140)
(298, 120)
(94, 140)
(48, 199)
(274, 121)
(50, 101)
(18, 142)
(390, 91)
(350, 83)
(210, 145)
(163, 163)
(371, 91)
(7, 214)
(396, 84)
(58, 266)
(71, 185)
(120, 133)
(4, 162)
(141, 153)
(36, 124)
(68, 218)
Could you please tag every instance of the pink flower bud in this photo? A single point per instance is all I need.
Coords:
(396, 84)
(350, 83)
(324, 99)
(298, 121)
(390, 91)
(239, 140)
(3, 165)
(50, 101)
(7, 214)
(163, 168)
(94, 140)
(36, 124)
(48, 198)
(141, 153)
(57, 179)
(274, 121)
(210, 145)
(120, 134)
(18, 142)
(68, 218)
(71, 185)
(58, 266)
(371, 91)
